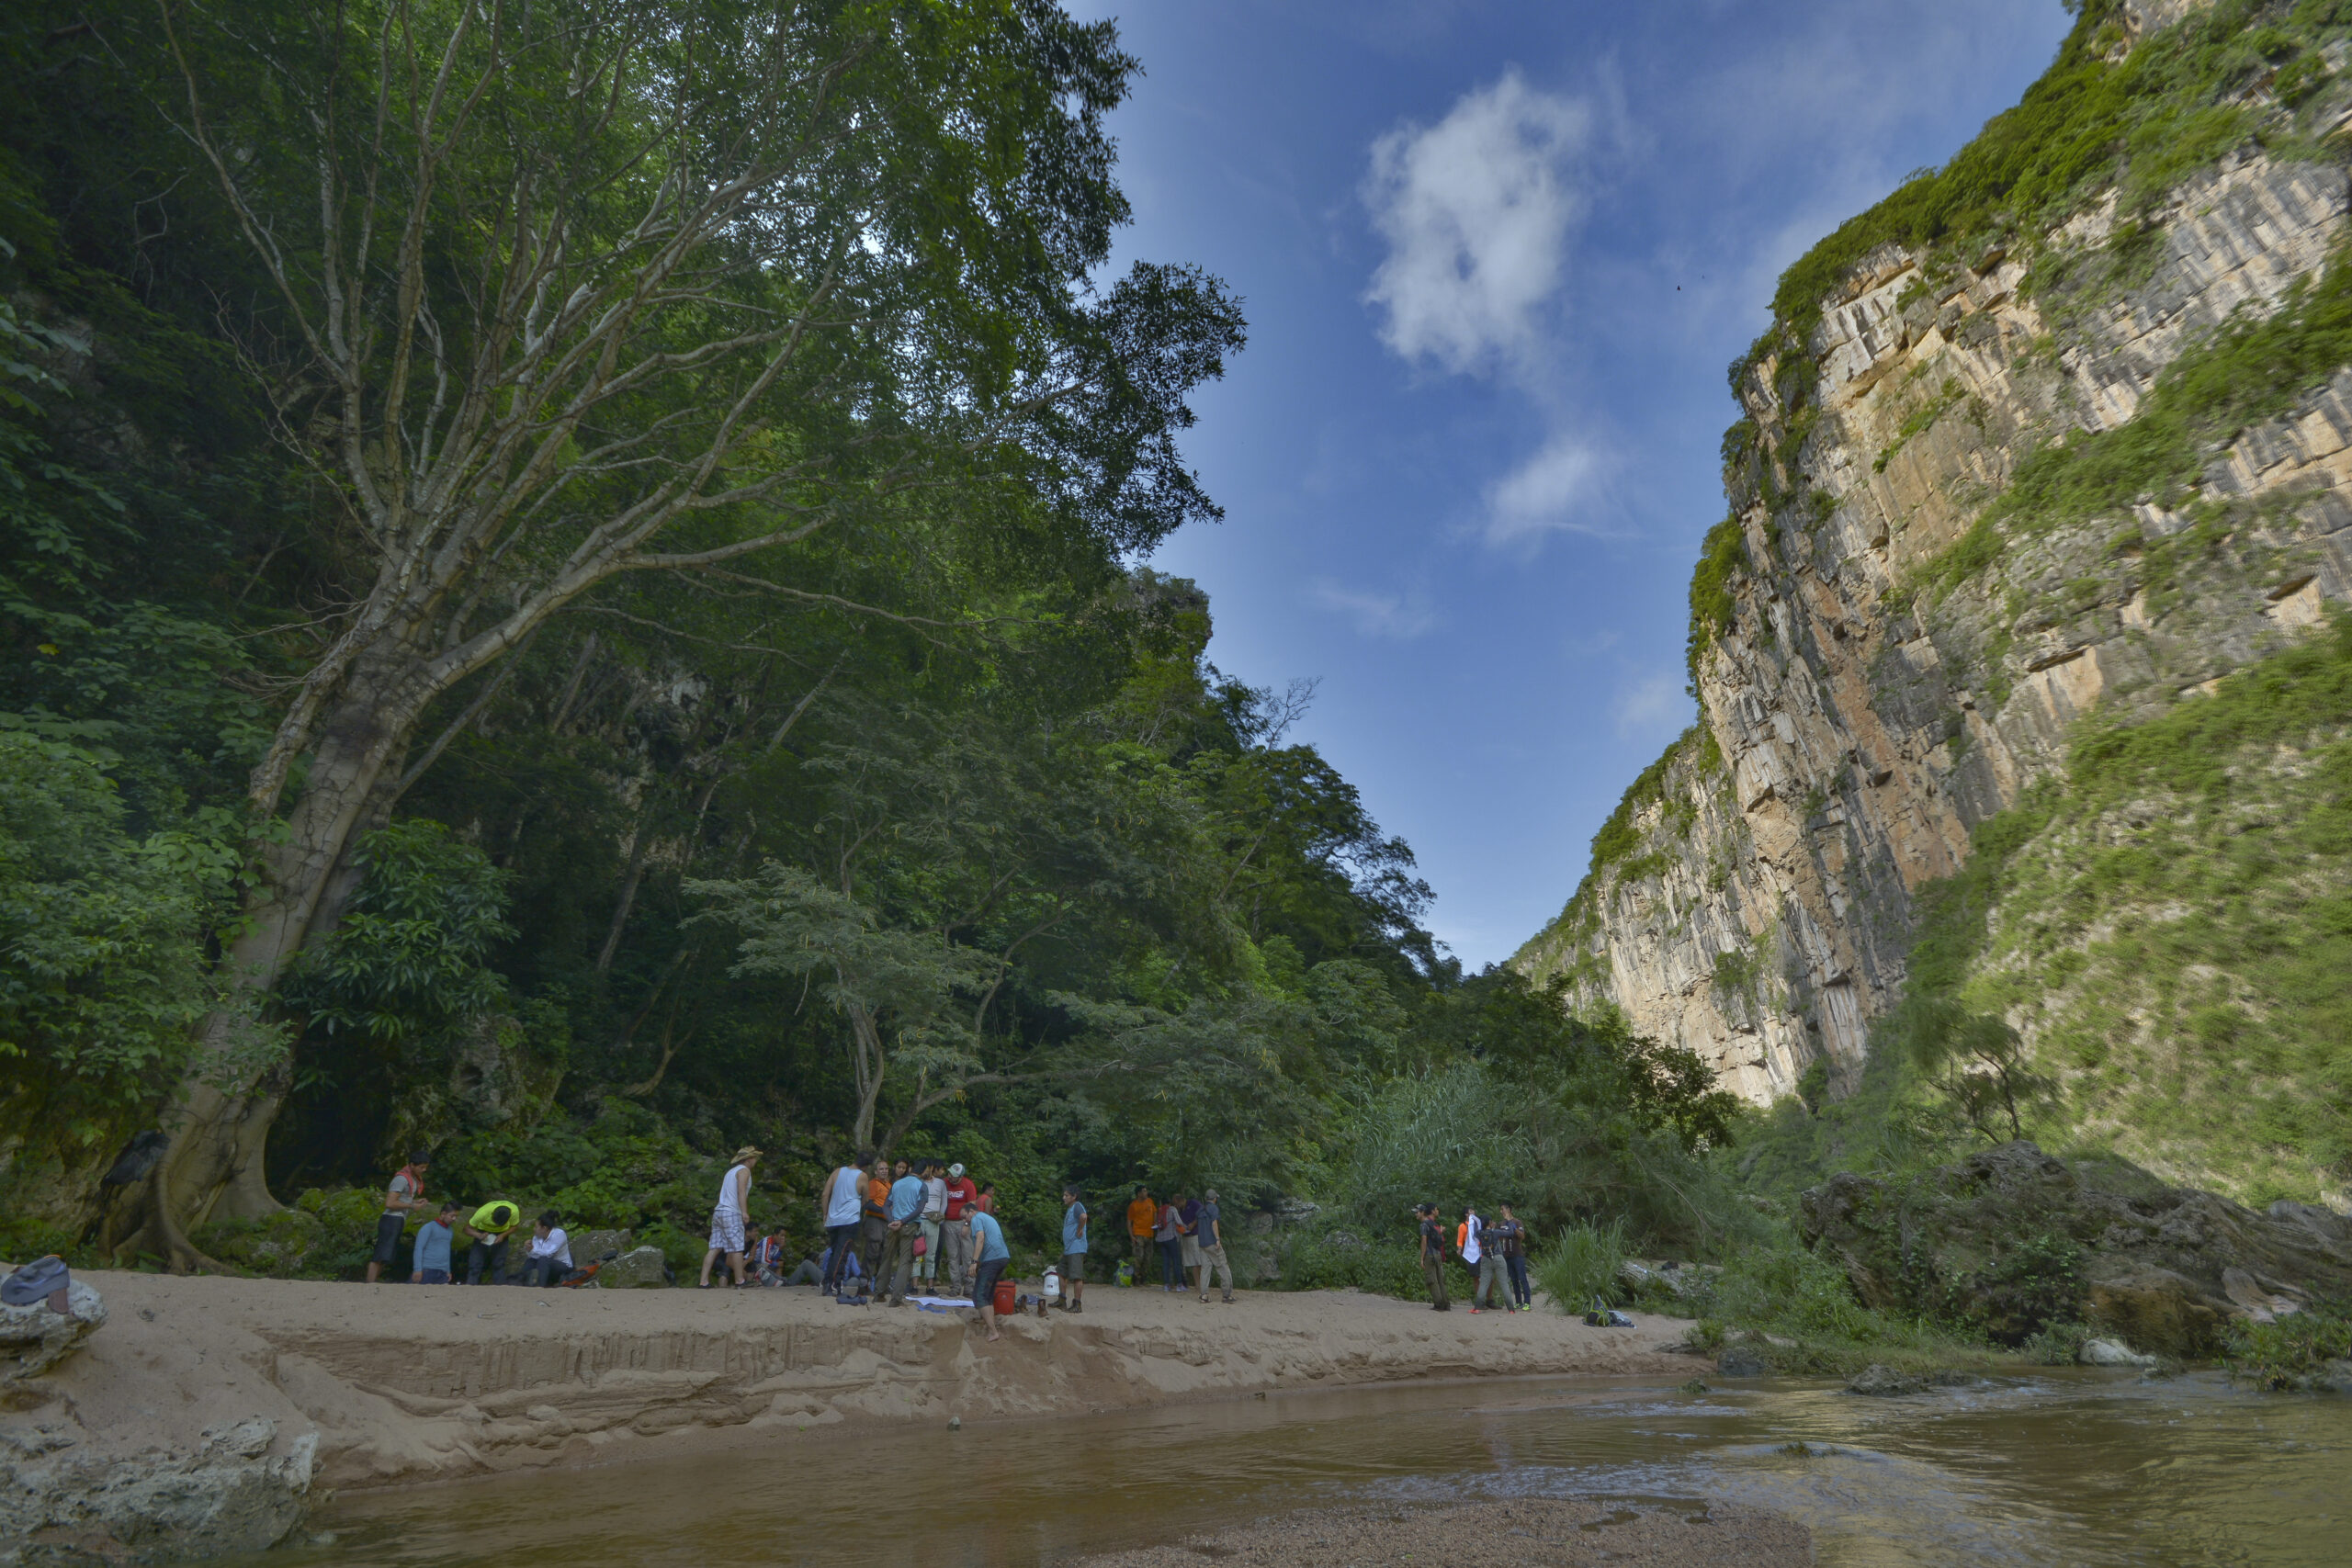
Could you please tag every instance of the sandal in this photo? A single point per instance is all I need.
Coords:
(1204, 1298)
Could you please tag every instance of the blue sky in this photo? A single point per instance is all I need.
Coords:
(1496, 256)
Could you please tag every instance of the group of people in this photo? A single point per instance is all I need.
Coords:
(1187, 1235)
(1495, 1251)
(486, 1232)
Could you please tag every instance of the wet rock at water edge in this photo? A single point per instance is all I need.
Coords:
(2111, 1353)
(236, 1494)
(640, 1267)
(1885, 1382)
(1742, 1361)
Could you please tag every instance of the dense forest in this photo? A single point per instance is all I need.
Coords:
(575, 591)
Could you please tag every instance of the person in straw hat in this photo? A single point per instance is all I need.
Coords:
(726, 1219)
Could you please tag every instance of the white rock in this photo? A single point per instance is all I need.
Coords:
(2111, 1353)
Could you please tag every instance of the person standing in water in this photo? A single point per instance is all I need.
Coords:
(728, 1215)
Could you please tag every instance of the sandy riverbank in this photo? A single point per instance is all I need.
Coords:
(365, 1387)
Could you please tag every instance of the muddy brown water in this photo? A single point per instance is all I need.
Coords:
(2066, 1468)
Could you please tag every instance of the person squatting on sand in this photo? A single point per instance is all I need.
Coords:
(487, 1231)
(547, 1255)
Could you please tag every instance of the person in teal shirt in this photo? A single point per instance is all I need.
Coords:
(1074, 1249)
(990, 1257)
(429, 1264)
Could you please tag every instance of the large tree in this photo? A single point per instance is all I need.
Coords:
(570, 290)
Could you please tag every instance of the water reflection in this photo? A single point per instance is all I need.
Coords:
(2089, 1469)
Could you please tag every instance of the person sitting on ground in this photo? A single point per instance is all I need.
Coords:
(810, 1271)
(1511, 1236)
(727, 1216)
(402, 1197)
(955, 1234)
(1433, 1254)
(486, 1232)
(1074, 1220)
(1212, 1240)
(429, 1263)
(549, 1254)
(1143, 1218)
(989, 1258)
(1170, 1235)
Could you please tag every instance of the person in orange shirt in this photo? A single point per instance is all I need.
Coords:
(1143, 1217)
(874, 1232)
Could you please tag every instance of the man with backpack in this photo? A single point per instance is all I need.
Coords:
(1433, 1256)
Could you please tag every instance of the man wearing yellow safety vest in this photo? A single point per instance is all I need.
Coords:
(488, 1230)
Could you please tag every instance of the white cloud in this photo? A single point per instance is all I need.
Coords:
(1400, 615)
(1553, 491)
(1650, 704)
(1476, 211)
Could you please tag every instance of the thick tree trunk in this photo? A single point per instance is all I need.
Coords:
(219, 1117)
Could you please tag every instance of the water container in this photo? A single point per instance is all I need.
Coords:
(1052, 1289)
(1008, 1298)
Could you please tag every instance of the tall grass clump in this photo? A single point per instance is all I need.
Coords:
(1582, 1263)
(1446, 1138)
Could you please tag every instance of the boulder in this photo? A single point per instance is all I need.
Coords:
(1885, 1382)
(1741, 1362)
(282, 1243)
(640, 1267)
(242, 1491)
(33, 1339)
(2111, 1353)
(2013, 1240)
(589, 1245)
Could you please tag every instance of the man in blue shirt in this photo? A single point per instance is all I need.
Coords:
(904, 1215)
(990, 1256)
(429, 1263)
(1073, 1250)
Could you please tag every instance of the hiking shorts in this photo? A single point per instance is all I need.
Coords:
(726, 1231)
(1073, 1267)
(984, 1279)
(432, 1276)
(388, 1237)
(1191, 1252)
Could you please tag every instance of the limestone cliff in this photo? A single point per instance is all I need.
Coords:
(1985, 486)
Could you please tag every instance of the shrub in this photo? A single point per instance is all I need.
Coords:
(1582, 1263)
(1383, 1268)
(2290, 1353)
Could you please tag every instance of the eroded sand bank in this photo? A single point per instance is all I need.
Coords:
(363, 1387)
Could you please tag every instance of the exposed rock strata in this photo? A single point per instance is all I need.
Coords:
(1855, 731)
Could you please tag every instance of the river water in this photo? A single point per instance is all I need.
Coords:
(2063, 1468)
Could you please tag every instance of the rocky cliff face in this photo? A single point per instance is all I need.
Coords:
(1892, 641)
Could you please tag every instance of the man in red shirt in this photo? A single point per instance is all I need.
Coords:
(954, 1234)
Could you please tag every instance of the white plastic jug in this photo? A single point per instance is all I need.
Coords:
(1052, 1289)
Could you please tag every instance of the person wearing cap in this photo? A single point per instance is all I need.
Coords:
(727, 1217)
(956, 1233)
(1211, 1239)
(404, 1195)
(487, 1231)
(1433, 1254)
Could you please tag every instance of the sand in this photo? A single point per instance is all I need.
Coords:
(396, 1384)
(1535, 1531)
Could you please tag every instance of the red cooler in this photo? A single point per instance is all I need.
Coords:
(1008, 1298)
